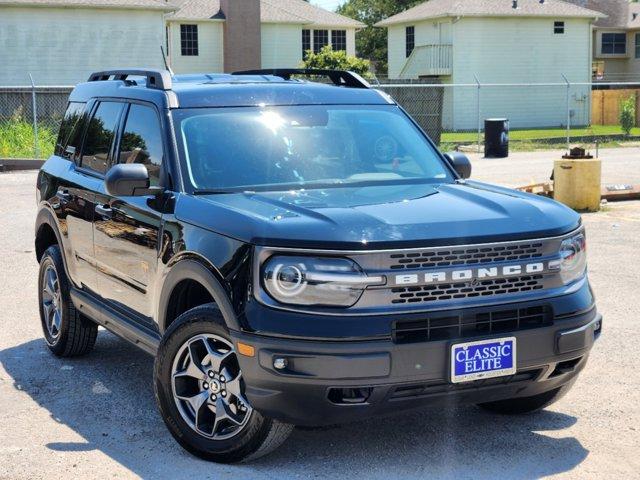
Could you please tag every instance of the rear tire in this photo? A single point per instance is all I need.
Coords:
(524, 405)
(67, 332)
(200, 392)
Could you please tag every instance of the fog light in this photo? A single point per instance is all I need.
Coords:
(280, 363)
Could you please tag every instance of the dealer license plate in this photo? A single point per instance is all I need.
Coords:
(483, 359)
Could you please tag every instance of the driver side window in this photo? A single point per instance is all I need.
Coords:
(142, 141)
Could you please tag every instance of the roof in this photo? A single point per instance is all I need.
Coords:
(617, 11)
(224, 90)
(127, 4)
(490, 8)
(271, 11)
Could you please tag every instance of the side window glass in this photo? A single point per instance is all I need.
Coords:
(99, 136)
(142, 141)
(70, 134)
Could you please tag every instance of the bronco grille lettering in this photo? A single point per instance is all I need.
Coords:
(469, 274)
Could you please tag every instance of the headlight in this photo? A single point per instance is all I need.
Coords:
(336, 282)
(573, 258)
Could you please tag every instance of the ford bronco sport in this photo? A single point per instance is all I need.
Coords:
(299, 253)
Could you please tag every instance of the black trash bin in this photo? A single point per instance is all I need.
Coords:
(496, 138)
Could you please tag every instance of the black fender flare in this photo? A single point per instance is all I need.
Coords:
(46, 217)
(192, 269)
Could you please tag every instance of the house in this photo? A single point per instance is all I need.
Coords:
(616, 39)
(217, 35)
(463, 42)
(60, 42)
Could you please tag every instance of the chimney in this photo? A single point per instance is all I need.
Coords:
(242, 42)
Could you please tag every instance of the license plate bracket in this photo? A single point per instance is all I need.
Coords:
(482, 359)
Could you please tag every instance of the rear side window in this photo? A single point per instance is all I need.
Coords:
(70, 134)
(99, 136)
(142, 140)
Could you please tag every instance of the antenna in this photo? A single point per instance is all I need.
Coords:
(166, 64)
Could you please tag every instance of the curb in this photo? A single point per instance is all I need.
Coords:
(16, 164)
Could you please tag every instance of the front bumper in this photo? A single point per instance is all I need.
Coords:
(396, 377)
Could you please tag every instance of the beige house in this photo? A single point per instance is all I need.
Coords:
(60, 42)
(616, 39)
(497, 42)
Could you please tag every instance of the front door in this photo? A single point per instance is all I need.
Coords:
(127, 229)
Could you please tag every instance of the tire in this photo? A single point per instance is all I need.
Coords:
(524, 405)
(67, 332)
(190, 402)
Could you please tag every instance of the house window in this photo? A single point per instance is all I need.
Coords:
(614, 43)
(558, 28)
(410, 37)
(320, 39)
(339, 40)
(189, 40)
(637, 45)
(306, 43)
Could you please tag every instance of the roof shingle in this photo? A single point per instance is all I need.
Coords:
(490, 8)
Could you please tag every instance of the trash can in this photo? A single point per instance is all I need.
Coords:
(577, 181)
(496, 138)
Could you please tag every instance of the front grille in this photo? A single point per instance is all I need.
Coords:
(481, 288)
(465, 256)
(438, 387)
(471, 324)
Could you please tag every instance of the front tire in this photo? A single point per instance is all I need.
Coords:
(200, 392)
(67, 332)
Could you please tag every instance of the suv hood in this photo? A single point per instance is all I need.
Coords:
(379, 216)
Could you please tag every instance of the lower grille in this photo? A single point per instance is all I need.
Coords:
(471, 325)
(424, 389)
(482, 288)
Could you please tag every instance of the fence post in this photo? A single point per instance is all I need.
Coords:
(568, 111)
(478, 112)
(36, 148)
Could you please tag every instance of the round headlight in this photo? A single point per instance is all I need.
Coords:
(288, 280)
(573, 257)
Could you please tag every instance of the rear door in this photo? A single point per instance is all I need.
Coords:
(127, 229)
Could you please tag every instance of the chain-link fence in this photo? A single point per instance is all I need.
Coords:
(541, 116)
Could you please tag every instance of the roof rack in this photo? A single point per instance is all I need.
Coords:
(157, 79)
(342, 78)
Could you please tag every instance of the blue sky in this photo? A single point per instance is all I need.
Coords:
(328, 4)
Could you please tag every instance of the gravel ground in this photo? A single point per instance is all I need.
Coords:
(95, 417)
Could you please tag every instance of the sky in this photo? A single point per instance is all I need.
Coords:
(328, 4)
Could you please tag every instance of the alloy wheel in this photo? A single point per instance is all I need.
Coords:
(52, 302)
(208, 388)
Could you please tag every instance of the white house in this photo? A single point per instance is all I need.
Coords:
(60, 42)
(497, 42)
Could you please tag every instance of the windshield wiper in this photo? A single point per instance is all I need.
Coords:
(222, 191)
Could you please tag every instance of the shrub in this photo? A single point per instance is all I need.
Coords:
(16, 138)
(329, 59)
(628, 114)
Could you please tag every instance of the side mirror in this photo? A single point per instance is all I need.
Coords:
(127, 179)
(460, 163)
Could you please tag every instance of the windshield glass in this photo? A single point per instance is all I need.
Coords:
(272, 148)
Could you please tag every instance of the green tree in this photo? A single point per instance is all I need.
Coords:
(327, 58)
(371, 42)
(628, 114)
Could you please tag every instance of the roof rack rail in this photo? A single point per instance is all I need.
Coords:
(342, 78)
(156, 79)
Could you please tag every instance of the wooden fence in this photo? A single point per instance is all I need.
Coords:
(605, 106)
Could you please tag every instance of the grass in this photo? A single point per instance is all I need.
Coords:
(16, 139)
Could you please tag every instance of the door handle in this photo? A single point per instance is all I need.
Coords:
(63, 196)
(104, 211)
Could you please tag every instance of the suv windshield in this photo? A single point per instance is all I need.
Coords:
(275, 148)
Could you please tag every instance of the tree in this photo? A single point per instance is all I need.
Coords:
(628, 114)
(327, 58)
(371, 42)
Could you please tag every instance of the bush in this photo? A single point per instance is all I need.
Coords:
(628, 114)
(16, 138)
(329, 59)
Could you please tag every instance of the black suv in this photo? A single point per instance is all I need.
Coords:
(299, 253)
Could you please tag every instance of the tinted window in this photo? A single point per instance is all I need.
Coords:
(410, 40)
(339, 39)
(97, 142)
(306, 43)
(189, 40)
(142, 141)
(305, 146)
(70, 134)
(614, 43)
(320, 39)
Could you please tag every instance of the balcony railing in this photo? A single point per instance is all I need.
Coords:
(428, 60)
